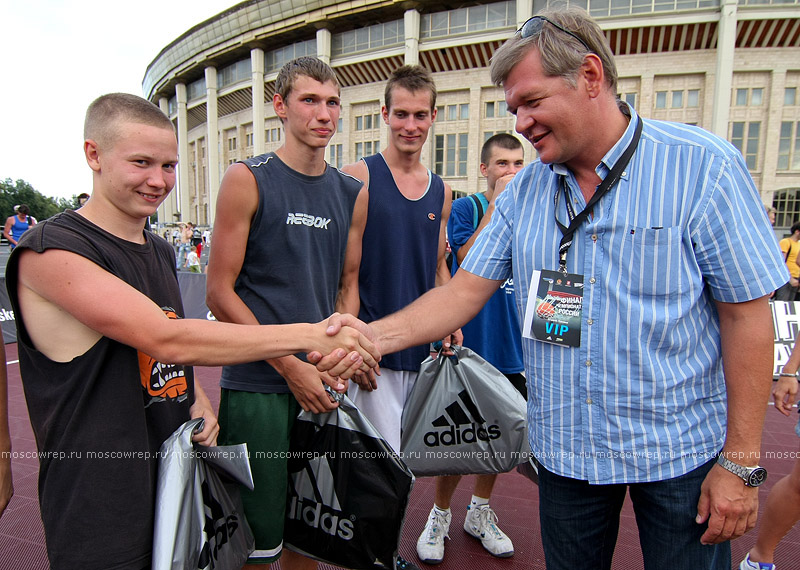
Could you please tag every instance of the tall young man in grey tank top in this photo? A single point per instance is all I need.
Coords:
(287, 242)
(403, 251)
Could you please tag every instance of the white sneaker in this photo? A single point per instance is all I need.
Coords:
(430, 545)
(481, 522)
(748, 564)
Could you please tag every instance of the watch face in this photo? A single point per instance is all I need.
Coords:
(757, 477)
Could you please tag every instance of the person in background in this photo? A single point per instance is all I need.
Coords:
(771, 214)
(18, 224)
(790, 247)
(184, 243)
(193, 261)
(783, 502)
(494, 334)
(82, 199)
(6, 481)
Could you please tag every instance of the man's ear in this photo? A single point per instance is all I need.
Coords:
(484, 170)
(593, 73)
(385, 114)
(279, 105)
(92, 153)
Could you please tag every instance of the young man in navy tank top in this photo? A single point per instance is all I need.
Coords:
(404, 239)
(286, 249)
(494, 333)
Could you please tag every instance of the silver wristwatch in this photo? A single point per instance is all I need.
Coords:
(752, 476)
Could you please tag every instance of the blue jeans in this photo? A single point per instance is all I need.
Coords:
(183, 251)
(580, 523)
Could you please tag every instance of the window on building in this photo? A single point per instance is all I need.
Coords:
(232, 143)
(677, 100)
(753, 97)
(787, 203)
(369, 38)
(450, 154)
(248, 139)
(272, 135)
(745, 137)
(493, 16)
(789, 146)
(494, 109)
(661, 99)
(335, 155)
(630, 99)
(235, 73)
(453, 112)
(367, 148)
(693, 98)
(367, 122)
(196, 89)
(790, 96)
(274, 60)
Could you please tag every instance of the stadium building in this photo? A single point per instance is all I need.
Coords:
(732, 68)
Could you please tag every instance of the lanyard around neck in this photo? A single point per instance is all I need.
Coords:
(608, 182)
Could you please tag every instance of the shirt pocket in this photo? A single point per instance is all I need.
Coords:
(655, 258)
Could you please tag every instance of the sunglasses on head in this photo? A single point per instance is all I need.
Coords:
(533, 27)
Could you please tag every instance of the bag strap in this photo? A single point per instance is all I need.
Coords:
(477, 210)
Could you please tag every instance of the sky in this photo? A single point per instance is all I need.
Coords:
(56, 57)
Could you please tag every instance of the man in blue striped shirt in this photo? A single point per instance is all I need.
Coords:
(666, 280)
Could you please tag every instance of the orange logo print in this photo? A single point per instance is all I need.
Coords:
(162, 381)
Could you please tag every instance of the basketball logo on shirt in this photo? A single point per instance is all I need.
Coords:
(162, 382)
(431, 216)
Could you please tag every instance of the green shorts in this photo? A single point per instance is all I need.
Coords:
(264, 422)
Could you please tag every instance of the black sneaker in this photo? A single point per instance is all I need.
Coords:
(403, 564)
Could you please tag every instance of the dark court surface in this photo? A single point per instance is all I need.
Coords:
(514, 499)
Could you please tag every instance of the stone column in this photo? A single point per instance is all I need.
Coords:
(411, 20)
(324, 45)
(259, 112)
(183, 191)
(726, 45)
(167, 207)
(212, 140)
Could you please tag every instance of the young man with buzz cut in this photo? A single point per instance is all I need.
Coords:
(404, 240)
(287, 240)
(104, 352)
(495, 334)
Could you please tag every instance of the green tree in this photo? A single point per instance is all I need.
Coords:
(21, 192)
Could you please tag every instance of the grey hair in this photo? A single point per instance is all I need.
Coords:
(561, 55)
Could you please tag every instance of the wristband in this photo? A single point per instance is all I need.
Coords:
(787, 375)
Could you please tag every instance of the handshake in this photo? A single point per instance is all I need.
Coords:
(351, 349)
(346, 346)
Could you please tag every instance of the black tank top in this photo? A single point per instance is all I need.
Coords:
(100, 418)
